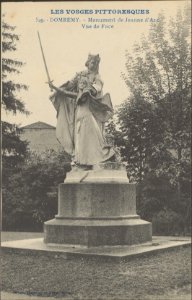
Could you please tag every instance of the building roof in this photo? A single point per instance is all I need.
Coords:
(38, 125)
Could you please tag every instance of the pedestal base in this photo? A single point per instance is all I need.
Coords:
(97, 208)
(93, 233)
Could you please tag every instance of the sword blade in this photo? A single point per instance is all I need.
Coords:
(44, 60)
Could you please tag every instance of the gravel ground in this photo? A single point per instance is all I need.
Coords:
(158, 277)
(14, 236)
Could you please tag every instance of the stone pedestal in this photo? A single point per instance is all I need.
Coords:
(97, 207)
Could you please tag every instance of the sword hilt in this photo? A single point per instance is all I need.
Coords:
(48, 82)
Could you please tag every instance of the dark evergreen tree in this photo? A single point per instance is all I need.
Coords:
(13, 149)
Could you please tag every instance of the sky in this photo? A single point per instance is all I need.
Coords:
(67, 44)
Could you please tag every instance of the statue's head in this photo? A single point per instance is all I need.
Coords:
(92, 62)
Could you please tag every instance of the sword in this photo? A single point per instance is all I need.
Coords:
(45, 64)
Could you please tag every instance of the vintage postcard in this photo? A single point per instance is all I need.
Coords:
(96, 149)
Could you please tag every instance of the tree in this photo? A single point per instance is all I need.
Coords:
(141, 136)
(160, 71)
(155, 122)
(13, 149)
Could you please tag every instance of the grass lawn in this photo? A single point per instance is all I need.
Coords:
(162, 276)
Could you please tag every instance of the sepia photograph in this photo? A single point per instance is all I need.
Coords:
(96, 150)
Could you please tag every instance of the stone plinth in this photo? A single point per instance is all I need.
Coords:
(97, 207)
(96, 200)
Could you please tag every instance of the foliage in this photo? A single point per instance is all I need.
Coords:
(158, 74)
(157, 200)
(13, 149)
(30, 194)
(10, 66)
(141, 136)
(153, 129)
(167, 222)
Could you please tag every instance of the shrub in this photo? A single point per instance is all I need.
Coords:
(30, 194)
(158, 202)
(168, 222)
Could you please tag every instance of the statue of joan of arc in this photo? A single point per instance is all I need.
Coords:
(82, 111)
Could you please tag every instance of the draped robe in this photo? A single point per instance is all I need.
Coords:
(80, 121)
